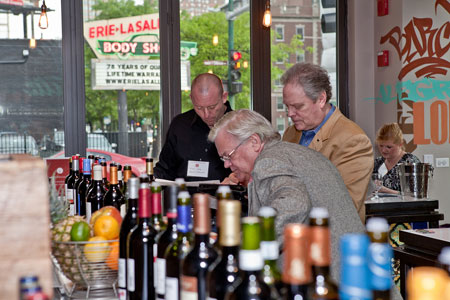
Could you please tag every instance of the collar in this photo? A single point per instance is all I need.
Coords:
(315, 130)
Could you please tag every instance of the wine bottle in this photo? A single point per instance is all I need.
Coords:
(194, 267)
(270, 250)
(114, 196)
(127, 173)
(223, 193)
(165, 238)
(224, 273)
(180, 247)
(96, 195)
(76, 185)
(143, 177)
(128, 223)
(379, 259)
(181, 183)
(140, 244)
(104, 173)
(157, 220)
(66, 180)
(149, 168)
(71, 184)
(427, 283)
(83, 187)
(296, 269)
(355, 275)
(251, 284)
(322, 287)
(120, 177)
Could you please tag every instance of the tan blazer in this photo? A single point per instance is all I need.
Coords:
(346, 145)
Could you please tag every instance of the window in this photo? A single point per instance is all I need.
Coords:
(280, 105)
(300, 57)
(281, 124)
(279, 32)
(299, 31)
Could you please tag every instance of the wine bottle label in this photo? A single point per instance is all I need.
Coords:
(69, 197)
(172, 288)
(250, 260)
(161, 274)
(130, 273)
(380, 256)
(123, 210)
(71, 209)
(155, 271)
(269, 250)
(65, 191)
(88, 211)
(122, 279)
(320, 246)
(189, 289)
(184, 223)
(122, 294)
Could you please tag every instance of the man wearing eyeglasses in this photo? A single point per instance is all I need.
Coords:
(187, 153)
(321, 126)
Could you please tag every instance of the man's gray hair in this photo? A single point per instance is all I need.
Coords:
(242, 124)
(313, 78)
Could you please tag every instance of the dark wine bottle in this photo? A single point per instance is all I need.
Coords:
(224, 273)
(127, 173)
(194, 267)
(296, 269)
(114, 196)
(165, 238)
(104, 173)
(66, 180)
(157, 220)
(83, 187)
(76, 185)
(322, 286)
(70, 195)
(180, 247)
(270, 250)
(128, 223)
(140, 259)
(251, 284)
(120, 177)
(149, 168)
(96, 195)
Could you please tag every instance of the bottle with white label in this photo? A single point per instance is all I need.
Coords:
(270, 250)
(128, 223)
(180, 247)
(165, 238)
(251, 285)
(71, 184)
(194, 266)
(94, 198)
(140, 265)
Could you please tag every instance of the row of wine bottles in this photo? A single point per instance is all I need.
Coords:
(87, 188)
(177, 260)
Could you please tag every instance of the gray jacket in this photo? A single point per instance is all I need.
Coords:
(292, 179)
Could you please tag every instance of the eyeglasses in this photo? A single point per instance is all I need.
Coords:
(225, 158)
(209, 108)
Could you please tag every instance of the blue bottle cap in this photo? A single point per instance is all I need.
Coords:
(355, 275)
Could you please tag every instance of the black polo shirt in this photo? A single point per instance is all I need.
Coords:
(187, 139)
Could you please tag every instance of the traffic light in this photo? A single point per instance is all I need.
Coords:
(235, 65)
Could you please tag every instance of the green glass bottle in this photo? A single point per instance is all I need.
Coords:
(270, 250)
(251, 284)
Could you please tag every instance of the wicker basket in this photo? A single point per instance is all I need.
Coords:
(89, 265)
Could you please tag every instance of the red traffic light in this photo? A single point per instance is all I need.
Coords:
(235, 55)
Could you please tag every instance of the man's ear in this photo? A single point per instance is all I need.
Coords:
(224, 97)
(256, 142)
(322, 99)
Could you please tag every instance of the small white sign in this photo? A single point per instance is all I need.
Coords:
(197, 168)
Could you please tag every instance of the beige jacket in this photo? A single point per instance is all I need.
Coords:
(346, 145)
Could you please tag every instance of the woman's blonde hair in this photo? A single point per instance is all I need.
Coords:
(390, 132)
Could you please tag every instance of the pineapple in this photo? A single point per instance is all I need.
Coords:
(67, 255)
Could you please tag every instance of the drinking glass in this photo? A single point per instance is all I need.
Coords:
(376, 179)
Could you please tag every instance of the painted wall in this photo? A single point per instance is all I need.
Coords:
(414, 90)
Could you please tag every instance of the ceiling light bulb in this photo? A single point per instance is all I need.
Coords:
(267, 18)
(43, 19)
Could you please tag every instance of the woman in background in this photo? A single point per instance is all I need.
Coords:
(390, 145)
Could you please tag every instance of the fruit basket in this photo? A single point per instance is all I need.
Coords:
(90, 265)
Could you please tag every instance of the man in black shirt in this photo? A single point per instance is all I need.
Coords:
(187, 153)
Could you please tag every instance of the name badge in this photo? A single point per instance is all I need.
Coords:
(197, 168)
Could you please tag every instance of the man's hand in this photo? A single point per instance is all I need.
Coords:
(232, 180)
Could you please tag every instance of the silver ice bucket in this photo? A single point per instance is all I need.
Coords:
(415, 178)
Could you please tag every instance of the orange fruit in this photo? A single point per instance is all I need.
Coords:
(113, 257)
(107, 227)
(106, 210)
(96, 252)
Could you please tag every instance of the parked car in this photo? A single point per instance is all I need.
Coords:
(12, 142)
(94, 141)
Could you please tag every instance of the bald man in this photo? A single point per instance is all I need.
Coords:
(187, 153)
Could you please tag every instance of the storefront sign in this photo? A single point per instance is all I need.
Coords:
(132, 75)
(12, 2)
(131, 37)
